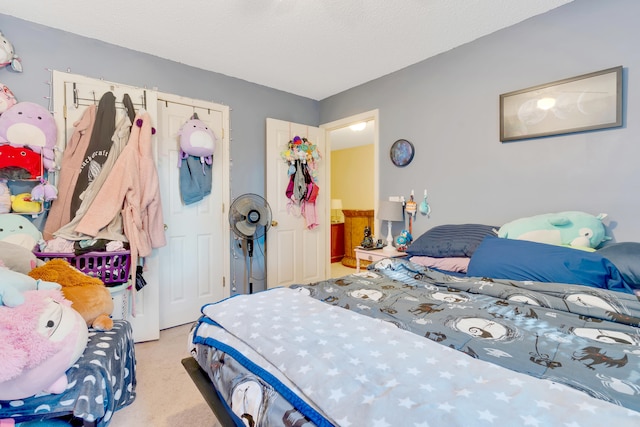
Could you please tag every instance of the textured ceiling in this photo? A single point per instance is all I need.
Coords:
(312, 48)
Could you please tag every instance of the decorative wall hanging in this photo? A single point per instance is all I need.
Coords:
(302, 190)
(402, 152)
(587, 102)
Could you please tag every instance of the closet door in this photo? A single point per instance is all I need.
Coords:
(194, 266)
(72, 94)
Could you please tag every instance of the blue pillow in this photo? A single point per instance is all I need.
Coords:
(501, 258)
(626, 257)
(451, 240)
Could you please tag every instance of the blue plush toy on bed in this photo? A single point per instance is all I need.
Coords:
(576, 229)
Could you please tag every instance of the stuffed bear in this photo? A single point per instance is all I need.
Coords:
(41, 338)
(88, 295)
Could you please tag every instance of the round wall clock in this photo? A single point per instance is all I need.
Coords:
(401, 152)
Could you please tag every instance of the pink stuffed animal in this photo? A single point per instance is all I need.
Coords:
(28, 124)
(41, 338)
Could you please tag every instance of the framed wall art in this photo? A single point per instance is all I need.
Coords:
(587, 102)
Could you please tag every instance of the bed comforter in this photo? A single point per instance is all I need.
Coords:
(301, 358)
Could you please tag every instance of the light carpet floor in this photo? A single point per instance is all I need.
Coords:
(165, 394)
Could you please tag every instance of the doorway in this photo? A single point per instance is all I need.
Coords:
(345, 144)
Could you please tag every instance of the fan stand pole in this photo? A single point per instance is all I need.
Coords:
(250, 250)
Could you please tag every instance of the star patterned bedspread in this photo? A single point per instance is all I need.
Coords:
(101, 382)
(580, 336)
(337, 367)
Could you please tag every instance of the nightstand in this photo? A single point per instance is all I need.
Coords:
(373, 255)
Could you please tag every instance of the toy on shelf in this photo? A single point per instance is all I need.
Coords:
(19, 163)
(16, 229)
(44, 192)
(23, 203)
(30, 125)
(5, 197)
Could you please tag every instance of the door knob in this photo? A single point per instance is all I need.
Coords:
(166, 227)
(274, 223)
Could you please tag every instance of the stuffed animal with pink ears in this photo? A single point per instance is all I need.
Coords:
(30, 125)
(8, 55)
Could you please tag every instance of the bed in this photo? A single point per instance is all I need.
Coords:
(101, 382)
(402, 341)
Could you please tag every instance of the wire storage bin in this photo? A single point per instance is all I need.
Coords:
(110, 267)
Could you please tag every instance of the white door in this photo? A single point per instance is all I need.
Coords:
(194, 266)
(72, 94)
(295, 254)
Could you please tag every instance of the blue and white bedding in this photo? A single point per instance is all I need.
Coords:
(297, 357)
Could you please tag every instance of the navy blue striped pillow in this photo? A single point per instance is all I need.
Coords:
(451, 240)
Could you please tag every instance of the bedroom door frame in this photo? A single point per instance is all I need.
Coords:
(372, 115)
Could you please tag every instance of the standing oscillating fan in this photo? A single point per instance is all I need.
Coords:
(250, 218)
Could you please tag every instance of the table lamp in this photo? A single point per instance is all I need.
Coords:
(336, 210)
(389, 211)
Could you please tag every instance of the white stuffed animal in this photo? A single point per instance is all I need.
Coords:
(8, 55)
(5, 197)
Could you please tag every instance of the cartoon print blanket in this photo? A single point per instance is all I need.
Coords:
(583, 337)
(337, 367)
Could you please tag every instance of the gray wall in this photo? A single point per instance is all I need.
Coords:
(448, 106)
(43, 48)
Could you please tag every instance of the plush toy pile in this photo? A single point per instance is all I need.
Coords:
(89, 295)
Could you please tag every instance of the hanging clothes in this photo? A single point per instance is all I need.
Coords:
(129, 108)
(133, 188)
(114, 230)
(195, 180)
(98, 149)
(60, 212)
